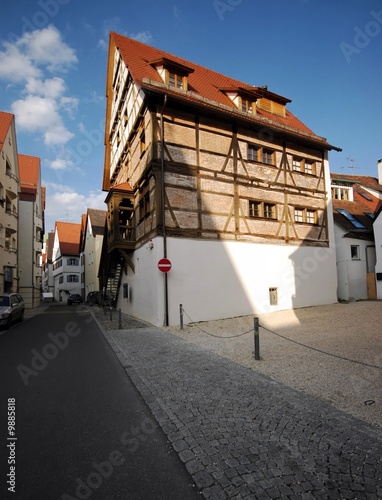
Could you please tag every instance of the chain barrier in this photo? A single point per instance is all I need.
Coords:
(285, 338)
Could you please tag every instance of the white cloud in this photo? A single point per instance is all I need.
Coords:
(142, 36)
(65, 204)
(46, 47)
(40, 114)
(16, 66)
(41, 108)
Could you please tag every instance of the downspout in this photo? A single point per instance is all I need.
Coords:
(165, 323)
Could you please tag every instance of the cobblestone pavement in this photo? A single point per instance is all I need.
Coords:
(243, 435)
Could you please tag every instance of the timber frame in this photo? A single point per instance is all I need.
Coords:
(181, 165)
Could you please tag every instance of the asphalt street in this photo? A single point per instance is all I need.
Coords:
(83, 430)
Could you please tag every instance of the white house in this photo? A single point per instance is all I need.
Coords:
(356, 199)
(91, 248)
(66, 260)
(219, 177)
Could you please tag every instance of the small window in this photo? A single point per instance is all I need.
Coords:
(305, 215)
(260, 209)
(268, 157)
(354, 250)
(296, 164)
(252, 152)
(246, 105)
(273, 297)
(72, 278)
(175, 80)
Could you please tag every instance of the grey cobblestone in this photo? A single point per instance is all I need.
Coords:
(258, 438)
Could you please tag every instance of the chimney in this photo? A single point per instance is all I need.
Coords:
(380, 171)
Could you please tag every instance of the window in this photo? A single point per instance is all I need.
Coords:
(144, 205)
(305, 215)
(356, 223)
(175, 80)
(341, 193)
(72, 278)
(246, 105)
(268, 157)
(252, 152)
(72, 262)
(273, 297)
(296, 164)
(354, 251)
(260, 209)
(302, 165)
(60, 280)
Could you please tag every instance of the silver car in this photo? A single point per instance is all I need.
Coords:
(11, 308)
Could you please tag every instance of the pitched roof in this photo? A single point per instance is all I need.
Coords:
(5, 123)
(97, 220)
(205, 87)
(69, 236)
(364, 180)
(29, 171)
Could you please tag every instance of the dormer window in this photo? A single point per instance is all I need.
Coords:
(247, 105)
(175, 80)
(172, 73)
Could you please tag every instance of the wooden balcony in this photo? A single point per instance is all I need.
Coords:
(120, 218)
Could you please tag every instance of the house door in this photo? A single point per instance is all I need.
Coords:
(370, 270)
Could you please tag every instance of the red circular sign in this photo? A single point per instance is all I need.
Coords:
(164, 265)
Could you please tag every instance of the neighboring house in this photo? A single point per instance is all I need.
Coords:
(9, 190)
(66, 260)
(31, 230)
(91, 248)
(219, 177)
(377, 226)
(356, 200)
(47, 264)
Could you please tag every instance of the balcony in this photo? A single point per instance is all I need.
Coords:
(120, 218)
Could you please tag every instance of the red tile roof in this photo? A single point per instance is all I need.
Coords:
(29, 171)
(69, 236)
(364, 180)
(204, 86)
(5, 123)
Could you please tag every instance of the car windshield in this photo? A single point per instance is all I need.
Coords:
(4, 301)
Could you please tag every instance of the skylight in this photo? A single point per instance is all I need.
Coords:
(356, 223)
(367, 197)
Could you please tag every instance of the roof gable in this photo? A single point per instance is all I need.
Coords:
(205, 86)
(97, 220)
(69, 237)
(5, 122)
(29, 171)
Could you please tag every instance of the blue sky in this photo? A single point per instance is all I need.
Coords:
(324, 55)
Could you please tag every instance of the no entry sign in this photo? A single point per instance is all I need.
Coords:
(164, 265)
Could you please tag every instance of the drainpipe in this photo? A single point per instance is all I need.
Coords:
(164, 213)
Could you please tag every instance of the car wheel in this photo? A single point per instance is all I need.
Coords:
(9, 322)
(21, 317)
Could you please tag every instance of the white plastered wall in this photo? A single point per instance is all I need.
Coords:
(377, 226)
(215, 279)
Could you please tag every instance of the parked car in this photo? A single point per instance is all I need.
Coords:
(11, 308)
(74, 298)
(93, 298)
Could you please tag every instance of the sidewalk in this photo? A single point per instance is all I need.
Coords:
(244, 435)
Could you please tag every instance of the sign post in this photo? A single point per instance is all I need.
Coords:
(164, 265)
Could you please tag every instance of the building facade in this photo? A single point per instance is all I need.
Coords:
(31, 234)
(66, 263)
(356, 200)
(9, 204)
(220, 178)
(91, 248)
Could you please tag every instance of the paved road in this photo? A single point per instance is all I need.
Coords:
(243, 435)
(83, 431)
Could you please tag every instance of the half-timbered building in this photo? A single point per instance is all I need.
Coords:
(219, 177)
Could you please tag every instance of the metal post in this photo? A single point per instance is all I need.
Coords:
(120, 319)
(181, 316)
(111, 313)
(256, 338)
